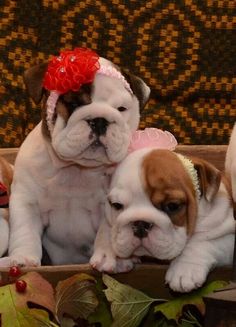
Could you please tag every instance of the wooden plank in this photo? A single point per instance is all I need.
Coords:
(213, 153)
(148, 278)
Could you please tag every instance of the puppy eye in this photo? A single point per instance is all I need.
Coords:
(122, 109)
(171, 207)
(72, 105)
(117, 206)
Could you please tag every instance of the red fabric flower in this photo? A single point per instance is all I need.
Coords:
(3, 188)
(4, 198)
(71, 70)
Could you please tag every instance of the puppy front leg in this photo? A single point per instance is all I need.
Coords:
(25, 246)
(189, 270)
(104, 258)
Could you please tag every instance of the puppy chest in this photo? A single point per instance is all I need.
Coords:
(74, 202)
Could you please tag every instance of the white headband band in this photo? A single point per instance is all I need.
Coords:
(189, 167)
(109, 71)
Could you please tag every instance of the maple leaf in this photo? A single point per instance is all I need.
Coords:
(76, 297)
(128, 305)
(173, 309)
(14, 306)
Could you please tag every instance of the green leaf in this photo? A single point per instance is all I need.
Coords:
(38, 318)
(14, 308)
(76, 297)
(102, 314)
(128, 305)
(173, 308)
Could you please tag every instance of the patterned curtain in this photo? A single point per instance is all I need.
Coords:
(185, 50)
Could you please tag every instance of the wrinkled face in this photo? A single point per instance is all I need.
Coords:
(93, 126)
(98, 132)
(152, 206)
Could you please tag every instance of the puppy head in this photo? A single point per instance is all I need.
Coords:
(153, 202)
(90, 126)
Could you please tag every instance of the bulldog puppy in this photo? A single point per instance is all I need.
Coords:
(170, 207)
(6, 175)
(63, 168)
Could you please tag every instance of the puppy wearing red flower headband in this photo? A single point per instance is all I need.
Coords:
(6, 175)
(62, 170)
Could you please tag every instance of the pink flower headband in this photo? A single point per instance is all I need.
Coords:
(69, 71)
(152, 137)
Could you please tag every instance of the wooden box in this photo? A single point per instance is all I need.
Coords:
(148, 277)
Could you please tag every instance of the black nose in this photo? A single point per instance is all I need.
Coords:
(141, 228)
(98, 125)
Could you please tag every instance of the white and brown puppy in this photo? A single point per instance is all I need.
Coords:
(63, 168)
(167, 206)
(6, 175)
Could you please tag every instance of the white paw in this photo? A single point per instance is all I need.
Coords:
(19, 260)
(185, 276)
(103, 261)
(125, 265)
(107, 262)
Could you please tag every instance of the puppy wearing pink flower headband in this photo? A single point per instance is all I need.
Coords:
(164, 205)
(62, 171)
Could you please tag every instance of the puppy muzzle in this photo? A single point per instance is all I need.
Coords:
(152, 235)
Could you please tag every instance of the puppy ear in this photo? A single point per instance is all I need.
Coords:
(209, 177)
(33, 78)
(191, 213)
(139, 87)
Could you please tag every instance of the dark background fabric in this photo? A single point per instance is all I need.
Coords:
(185, 50)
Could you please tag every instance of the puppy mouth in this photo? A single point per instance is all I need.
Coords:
(142, 251)
(96, 144)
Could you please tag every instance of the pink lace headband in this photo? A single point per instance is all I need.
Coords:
(69, 71)
(152, 138)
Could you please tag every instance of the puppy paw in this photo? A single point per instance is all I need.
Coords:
(103, 261)
(125, 265)
(18, 260)
(185, 276)
(108, 262)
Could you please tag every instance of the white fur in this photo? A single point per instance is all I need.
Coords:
(59, 188)
(192, 257)
(230, 161)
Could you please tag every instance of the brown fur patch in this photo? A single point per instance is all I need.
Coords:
(136, 85)
(33, 79)
(209, 177)
(166, 181)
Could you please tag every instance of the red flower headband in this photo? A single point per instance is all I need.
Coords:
(71, 70)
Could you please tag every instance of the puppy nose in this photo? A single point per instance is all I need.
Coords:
(141, 228)
(98, 125)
